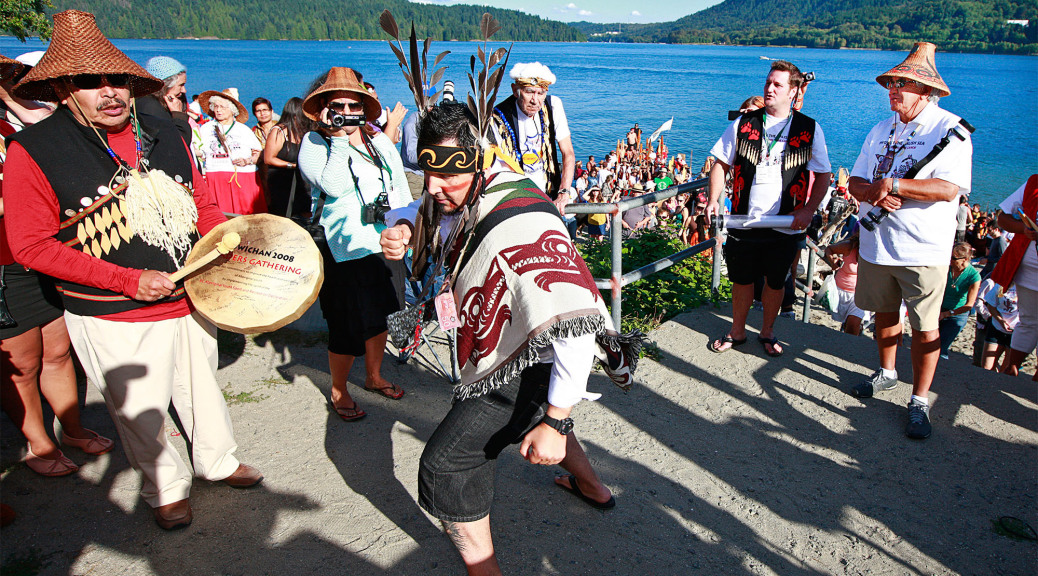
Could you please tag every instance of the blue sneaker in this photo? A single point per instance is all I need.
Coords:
(918, 427)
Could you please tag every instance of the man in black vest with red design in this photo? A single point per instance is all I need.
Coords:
(772, 154)
(109, 203)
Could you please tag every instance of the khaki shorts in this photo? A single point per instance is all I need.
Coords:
(882, 288)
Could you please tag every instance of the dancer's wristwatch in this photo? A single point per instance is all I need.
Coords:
(564, 426)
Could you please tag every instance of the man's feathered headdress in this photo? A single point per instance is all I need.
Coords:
(415, 71)
(485, 73)
(484, 82)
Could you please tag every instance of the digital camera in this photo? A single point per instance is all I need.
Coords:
(375, 212)
(338, 120)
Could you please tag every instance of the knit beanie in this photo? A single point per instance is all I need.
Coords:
(163, 67)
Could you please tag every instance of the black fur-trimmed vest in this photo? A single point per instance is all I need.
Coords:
(507, 116)
(92, 215)
(749, 147)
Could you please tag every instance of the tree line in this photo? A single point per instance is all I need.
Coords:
(305, 20)
(954, 25)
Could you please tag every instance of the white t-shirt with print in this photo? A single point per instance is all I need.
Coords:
(919, 233)
(766, 190)
(1006, 304)
(240, 140)
(1027, 273)
(531, 138)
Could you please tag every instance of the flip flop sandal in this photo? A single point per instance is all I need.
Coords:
(351, 414)
(96, 445)
(726, 340)
(387, 392)
(575, 490)
(773, 341)
(52, 468)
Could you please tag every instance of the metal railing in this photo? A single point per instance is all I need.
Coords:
(618, 280)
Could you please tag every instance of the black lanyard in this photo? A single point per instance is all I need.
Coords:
(893, 149)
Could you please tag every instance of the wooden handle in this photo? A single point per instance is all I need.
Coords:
(226, 245)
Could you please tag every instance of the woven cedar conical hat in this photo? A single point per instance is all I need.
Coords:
(228, 94)
(918, 66)
(9, 68)
(79, 47)
(341, 80)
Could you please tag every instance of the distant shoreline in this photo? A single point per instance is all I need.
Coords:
(761, 46)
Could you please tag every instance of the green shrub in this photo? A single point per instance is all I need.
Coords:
(651, 301)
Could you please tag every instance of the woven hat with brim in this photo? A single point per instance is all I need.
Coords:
(78, 47)
(919, 66)
(9, 68)
(228, 94)
(341, 80)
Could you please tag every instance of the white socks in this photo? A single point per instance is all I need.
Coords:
(889, 373)
(920, 400)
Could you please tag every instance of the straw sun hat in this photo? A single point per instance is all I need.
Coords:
(228, 94)
(9, 68)
(78, 47)
(341, 80)
(918, 66)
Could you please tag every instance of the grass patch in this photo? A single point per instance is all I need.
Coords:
(652, 301)
(242, 398)
(274, 381)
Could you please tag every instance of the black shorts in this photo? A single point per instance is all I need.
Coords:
(31, 298)
(356, 297)
(751, 254)
(993, 335)
(456, 472)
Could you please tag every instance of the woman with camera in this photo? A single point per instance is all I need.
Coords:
(355, 176)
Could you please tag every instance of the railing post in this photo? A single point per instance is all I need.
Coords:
(715, 280)
(616, 238)
(809, 286)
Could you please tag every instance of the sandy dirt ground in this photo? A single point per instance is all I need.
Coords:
(731, 463)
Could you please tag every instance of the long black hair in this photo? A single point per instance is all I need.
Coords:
(293, 121)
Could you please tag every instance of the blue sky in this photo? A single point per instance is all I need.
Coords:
(596, 10)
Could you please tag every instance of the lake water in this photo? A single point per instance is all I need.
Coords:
(606, 88)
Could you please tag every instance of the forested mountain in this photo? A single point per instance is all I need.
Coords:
(954, 25)
(306, 20)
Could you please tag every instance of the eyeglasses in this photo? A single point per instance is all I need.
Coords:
(94, 81)
(340, 107)
(902, 82)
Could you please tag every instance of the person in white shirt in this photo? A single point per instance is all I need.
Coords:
(906, 255)
(772, 154)
(1019, 266)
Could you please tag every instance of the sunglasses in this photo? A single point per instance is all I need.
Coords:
(340, 107)
(95, 81)
(902, 82)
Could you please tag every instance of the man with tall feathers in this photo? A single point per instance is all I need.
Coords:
(532, 325)
(109, 202)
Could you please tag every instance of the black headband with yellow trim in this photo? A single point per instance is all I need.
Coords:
(447, 159)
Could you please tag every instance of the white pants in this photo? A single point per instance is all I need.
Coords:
(139, 367)
(1025, 336)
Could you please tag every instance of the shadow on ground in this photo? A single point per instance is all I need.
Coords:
(722, 464)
